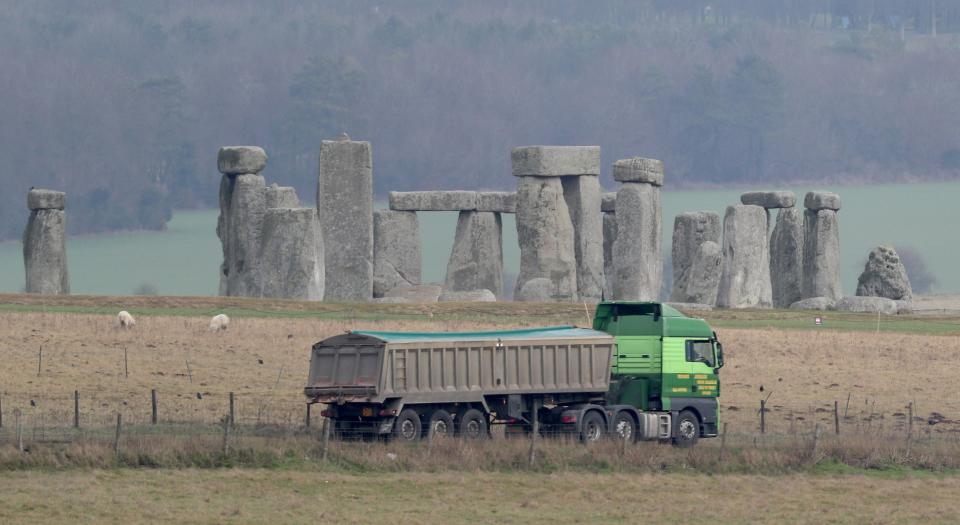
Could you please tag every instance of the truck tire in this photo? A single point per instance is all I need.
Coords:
(688, 430)
(407, 427)
(441, 424)
(592, 426)
(473, 424)
(624, 427)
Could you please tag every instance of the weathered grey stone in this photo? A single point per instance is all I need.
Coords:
(821, 200)
(555, 161)
(583, 200)
(38, 199)
(227, 184)
(244, 224)
(867, 305)
(345, 209)
(685, 307)
(291, 255)
(814, 303)
(396, 250)
(703, 280)
(497, 201)
(786, 258)
(609, 237)
(476, 260)
(281, 197)
(904, 307)
(45, 252)
(471, 296)
(639, 169)
(690, 230)
(745, 282)
(546, 238)
(240, 160)
(393, 300)
(433, 200)
(770, 199)
(638, 267)
(608, 202)
(537, 290)
(421, 293)
(821, 254)
(885, 276)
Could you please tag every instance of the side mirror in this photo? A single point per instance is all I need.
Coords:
(718, 354)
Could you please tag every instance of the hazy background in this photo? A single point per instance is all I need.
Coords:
(123, 104)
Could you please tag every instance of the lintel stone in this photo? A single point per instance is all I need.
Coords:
(555, 161)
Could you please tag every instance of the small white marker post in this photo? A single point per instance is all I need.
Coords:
(818, 321)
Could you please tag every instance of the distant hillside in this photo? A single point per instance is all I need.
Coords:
(123, 104)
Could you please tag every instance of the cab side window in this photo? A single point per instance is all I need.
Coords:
(700, 352)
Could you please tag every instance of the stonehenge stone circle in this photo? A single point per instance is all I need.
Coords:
(638, 268)
(885, 276)
(281, 197)
(821, 247)
(291, 255)
(241, 236)
(471, 296)
(345, 210)
(555, 161)
(476, 260)
(769, 199)
(608, 202)
(703, 277)
(745, 281)
(45, 243)
(690, 231)
(396, 250)
(609, 237)
(583, 200)
(433, 200)
(786, 258)
(814, 303)
(539, 289)
(867, 305)
(241, 160)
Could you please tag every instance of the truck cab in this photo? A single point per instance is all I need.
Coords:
(664, 362)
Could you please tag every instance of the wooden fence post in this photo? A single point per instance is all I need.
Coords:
(16, 415)
(535, 424)
(40, 360)
(763, 418)
(816, 443)
(126, 369)
(226, 434)
(836, 417)
(153, 406)
(233, 420)
(116, 437)
(76, 409)
(326, 438)
(1, 410)
(306, 423)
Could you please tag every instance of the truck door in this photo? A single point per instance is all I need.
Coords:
(689, 367)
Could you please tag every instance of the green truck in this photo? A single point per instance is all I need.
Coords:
(645, 371)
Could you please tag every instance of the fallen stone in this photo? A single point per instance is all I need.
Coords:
(884, 276)
(685, 307)
(690, 230)
(45, 252)
(745, 282)
(396, 250)
(786, 258)
(638, 267)
(421, 293)
(471, 296)
(497, 201)
(608, 202)
(703, 281)
(537, 290)
(291, 255)
(38, 199)
(609, 237)
(821, 254)
(476, 260)
(555, 161)
(392, 300)
(639, 169)
(867, 305)
(770, 199)
(281, 197)
(815, 303)
(241, 160)
(546, 238)
(433, 200)
(583, 200)
(905, 307)
(821, 200)
(345, 210)
(245, 224)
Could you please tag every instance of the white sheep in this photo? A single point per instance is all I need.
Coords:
(125, 320)
(220, 322)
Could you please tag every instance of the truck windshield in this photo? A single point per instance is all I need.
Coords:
(700, 352)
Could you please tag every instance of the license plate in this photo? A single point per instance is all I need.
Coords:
(367, 412)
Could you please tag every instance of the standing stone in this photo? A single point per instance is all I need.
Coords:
(345, 210)
(476, 260)
(821, 247)
(45, 243)
(769, 199)
(233, 161)
(291, 255)
(786, 258)
(745, 282)
(396, 250)
(546, 238)
(244, 227)
(281, 197)
(885, 276)
(690, 231)
(704, 275)
(241, 160)
(638, 266)
(582, 194)
(609, 237)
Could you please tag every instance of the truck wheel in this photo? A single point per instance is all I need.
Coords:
(688, 430)
(591, 428)
(407, 427)
(441, 424)
(624, 427)
(473, 424)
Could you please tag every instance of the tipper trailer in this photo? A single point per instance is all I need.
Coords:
(644, 371)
